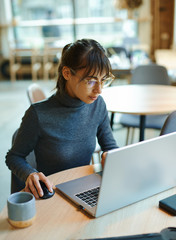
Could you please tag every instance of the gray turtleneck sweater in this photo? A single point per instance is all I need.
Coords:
(62, 132)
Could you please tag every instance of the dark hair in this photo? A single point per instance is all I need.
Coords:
(85, 53)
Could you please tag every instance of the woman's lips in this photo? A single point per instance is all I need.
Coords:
(93, 98)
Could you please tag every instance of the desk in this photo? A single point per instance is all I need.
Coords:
(140, 100)
(57, 218)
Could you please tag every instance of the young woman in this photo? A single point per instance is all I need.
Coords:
(62, 129)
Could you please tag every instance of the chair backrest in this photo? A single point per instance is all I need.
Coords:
(16, 184)
(150, 74)
(170, 124)
(35, 93)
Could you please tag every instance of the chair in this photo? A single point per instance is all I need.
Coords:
(169, 125)
(35, 93)
(145, 74)
(51, 56)
(20, 58)
(14, 65)
(36, 63)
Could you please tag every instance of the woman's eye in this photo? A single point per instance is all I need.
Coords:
(91, 81)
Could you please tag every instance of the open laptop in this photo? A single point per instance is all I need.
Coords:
(130, 174)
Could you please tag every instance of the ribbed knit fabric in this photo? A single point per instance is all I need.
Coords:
(62, 132)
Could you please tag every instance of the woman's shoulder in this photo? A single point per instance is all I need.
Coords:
(44, 103)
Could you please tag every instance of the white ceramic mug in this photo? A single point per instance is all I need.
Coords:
(21, 209)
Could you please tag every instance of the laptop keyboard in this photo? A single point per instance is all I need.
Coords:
(89, 197)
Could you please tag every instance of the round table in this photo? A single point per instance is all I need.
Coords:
(140, 99)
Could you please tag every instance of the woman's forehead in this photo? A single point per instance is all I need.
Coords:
(94, 72)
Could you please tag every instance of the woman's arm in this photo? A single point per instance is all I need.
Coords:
(104, 134)
(25, 142)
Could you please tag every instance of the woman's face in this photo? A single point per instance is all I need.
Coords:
(82, 90)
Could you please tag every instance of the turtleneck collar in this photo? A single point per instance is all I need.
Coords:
(68, 101)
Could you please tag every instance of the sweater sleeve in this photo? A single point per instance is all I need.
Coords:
(104, 134)
(24, 143)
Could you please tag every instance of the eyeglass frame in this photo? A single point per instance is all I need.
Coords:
(111, 77)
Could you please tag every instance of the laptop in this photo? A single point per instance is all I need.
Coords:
(130, 174)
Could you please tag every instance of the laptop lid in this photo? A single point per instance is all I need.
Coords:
(130, 174)
(137, 171)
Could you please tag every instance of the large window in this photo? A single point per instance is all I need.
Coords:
(68, 20)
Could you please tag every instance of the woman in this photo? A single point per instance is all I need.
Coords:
(62, 130)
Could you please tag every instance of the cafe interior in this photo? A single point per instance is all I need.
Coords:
(140, 40)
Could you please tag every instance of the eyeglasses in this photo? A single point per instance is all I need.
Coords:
(92, 82)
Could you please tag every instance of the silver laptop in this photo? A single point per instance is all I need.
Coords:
(130, 174)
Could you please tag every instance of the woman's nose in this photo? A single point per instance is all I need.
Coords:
(98, 88)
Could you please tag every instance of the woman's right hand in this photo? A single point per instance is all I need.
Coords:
(33, 185)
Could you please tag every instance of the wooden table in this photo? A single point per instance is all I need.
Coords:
(140, 100)
(57, 218)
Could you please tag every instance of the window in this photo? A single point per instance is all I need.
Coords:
(68, 20)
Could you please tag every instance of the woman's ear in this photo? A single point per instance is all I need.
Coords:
(66, 73)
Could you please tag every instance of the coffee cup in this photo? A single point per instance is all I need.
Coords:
(21, 209)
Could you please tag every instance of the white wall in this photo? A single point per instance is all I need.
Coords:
(174, 42)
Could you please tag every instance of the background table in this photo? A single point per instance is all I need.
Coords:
(140, 100)
(57, 218)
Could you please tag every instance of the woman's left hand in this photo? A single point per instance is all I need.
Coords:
(103, 157)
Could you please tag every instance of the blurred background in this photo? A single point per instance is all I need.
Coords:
(29, 28)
